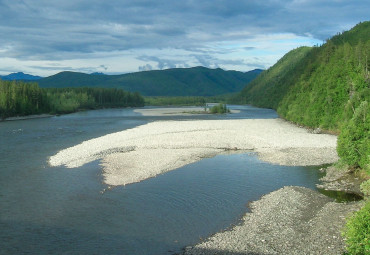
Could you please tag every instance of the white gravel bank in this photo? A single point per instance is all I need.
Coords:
(291, 220)
(136, 154)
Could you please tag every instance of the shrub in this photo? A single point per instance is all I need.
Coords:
(365, 188)
(220, 108)
(357, 231)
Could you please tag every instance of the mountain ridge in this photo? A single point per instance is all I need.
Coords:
(195, 81)
(20, 76)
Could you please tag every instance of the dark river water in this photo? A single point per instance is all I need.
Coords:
(54, 210)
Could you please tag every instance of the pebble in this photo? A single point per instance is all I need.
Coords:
(304, 222)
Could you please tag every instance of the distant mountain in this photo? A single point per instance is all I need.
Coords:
(20, 76)
(196, 81)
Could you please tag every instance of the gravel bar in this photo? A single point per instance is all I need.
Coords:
(145, 151)
(291, 220)
(136, 154)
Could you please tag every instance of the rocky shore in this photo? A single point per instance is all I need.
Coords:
(291, 220)
(337, 179)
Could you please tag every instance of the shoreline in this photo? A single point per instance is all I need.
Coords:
(28, 117)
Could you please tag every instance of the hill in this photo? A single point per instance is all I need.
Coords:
(325, 87)
(196, 81)
(274, 81)
(20, 77)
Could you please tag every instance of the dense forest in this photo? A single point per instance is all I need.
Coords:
(20, 99)
(325, 87)
(195, 81)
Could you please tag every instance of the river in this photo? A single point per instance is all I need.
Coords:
(54, 210)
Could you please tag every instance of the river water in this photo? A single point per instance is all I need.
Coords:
(54, 210)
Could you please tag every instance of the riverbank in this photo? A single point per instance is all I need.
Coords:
(143, 152)
(291, 220)
(341, 179)
(28, 117)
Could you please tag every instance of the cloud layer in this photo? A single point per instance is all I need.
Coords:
(47, 36)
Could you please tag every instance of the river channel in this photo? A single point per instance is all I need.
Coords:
(55, 210)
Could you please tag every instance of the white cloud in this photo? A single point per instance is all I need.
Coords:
(83, 34)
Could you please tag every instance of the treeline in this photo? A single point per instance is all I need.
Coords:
(21, 99)
(65, 100)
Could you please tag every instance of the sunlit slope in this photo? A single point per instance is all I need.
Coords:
(268, 89)
(326, 87)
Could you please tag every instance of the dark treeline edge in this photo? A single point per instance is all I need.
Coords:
(18, 98)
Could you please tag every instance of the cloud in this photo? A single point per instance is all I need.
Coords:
(161, 63)
(146, 67)
(43, 30)
(249, 48)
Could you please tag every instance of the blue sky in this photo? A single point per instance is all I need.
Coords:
(44, 37)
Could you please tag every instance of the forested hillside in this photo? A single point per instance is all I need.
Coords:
(274, 81)
(326, 87)
(21, 99)
(196, 81)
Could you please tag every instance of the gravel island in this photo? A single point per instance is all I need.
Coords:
(145, 151)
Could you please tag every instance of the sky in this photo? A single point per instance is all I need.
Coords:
(44, 37)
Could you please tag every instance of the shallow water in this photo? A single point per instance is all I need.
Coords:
(56, 210)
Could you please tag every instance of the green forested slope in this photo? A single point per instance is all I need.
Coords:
(268, 89)
(197, 81)
(326, 87)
